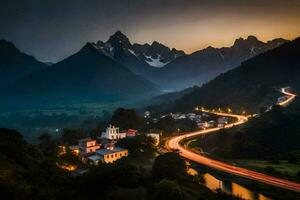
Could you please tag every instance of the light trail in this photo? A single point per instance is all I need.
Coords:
(174, 144)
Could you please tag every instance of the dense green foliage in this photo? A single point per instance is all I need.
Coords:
(127, 118)
(168, 125)
(161, 168)
(30, 172)
(167, 189)
(138, 146)
(24, 172)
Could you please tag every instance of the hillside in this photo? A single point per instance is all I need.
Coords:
(30, 171)
(250, 86)
(203, 65)
(86, 75)
(14, 64)
(274, 135)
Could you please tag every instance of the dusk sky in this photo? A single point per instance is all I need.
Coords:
(54, 29)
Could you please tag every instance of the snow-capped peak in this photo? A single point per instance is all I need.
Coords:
(155, 62)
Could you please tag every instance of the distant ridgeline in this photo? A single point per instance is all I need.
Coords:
(250, 86)
(116, 70)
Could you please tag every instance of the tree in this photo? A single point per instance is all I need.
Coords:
(69, 158)
(170, 166)
(167, 189)
(127, 118)
(138, 146)
(72, 136)
(47, 144)
(262, 109)
(128, 194)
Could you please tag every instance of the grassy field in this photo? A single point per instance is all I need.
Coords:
(283, 168)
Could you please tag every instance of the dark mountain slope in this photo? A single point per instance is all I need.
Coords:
(15, 64)
(201, 66)
(87, 74)
(251, 85)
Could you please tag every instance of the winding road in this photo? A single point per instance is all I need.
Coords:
(174, 144)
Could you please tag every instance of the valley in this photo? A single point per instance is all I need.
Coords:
(149, 100)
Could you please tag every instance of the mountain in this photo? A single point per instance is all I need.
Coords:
(140, 59)
(156, 54)
(251, 85)
(201, 66)
(117, 47)
(14, 64)
(86, 75)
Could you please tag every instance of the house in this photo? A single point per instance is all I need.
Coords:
(205, 115)
(130, 132)
(107, 155)
(203, 125)
(155, 136)
(178, 116)
(113, 133)
(106, 143)
(222, 120)
(75, 149)
(211, 124)
(88, 145)
(147, 114)
(191, 116)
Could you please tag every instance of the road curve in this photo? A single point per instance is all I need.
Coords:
(174, 144)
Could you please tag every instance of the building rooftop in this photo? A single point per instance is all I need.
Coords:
(94, 157)
(74, 147)
(108, 151)
(85, 139)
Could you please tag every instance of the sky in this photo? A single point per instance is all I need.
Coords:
(52, 30)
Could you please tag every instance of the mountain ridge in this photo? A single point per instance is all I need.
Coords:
(85, 75)
(135, 56)
(15, 64)
(251, 85)
(205, 64)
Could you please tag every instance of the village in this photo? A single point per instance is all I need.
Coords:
(104, 149)
(203, 120)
